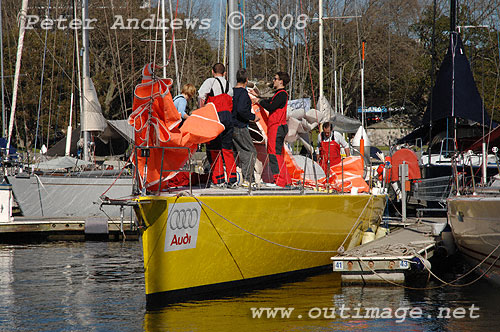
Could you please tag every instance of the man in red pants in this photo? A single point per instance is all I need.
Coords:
(216, 90)
(277, 129)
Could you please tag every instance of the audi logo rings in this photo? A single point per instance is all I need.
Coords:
(184, 218)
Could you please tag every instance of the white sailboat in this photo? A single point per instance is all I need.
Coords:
(474, 212)
(58, 189)
(198, 241)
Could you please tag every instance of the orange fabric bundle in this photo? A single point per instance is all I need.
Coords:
(155, 121)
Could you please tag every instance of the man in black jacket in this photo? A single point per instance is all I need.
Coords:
(242, 115)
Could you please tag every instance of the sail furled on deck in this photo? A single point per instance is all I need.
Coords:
(455, 93)
(93, 118)
(156, 127)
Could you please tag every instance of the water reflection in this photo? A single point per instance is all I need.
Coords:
(72, 286)
(314, 301)
(96, 286)
(6, 292)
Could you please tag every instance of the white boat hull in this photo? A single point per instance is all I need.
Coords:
(69, 196)
(475, 223)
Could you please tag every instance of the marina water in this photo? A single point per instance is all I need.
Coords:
(99, 286)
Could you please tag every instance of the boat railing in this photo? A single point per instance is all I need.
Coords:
(436, 189)
(445, 150)
(467, 172)
(145, 152)
(419, 145)
(199, 173)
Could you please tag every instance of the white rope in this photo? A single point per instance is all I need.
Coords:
(444, 283)
(452, 283)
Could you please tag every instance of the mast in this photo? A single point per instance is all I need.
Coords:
(453, 15)
(70, 128)
(1, 73)
(453, 27)
(335, 88)
(320, 22)
(363, 85)
(79, 74)
(433, 61)
(22, 29)
(341, 97)
(86, 74)
(69, 131)
(234, 51)
(164, 37)
(362, 137)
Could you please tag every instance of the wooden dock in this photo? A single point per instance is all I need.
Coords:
(22, 229)
(395, 258)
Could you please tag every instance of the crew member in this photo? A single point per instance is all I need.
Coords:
(216, 90)
(330, 143)
(242, 116)
(180, 101)
(277, 129)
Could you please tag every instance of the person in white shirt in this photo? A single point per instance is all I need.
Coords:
(329, 143)
(215, 85)
(217, 90)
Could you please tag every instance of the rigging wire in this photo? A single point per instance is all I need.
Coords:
(172, 45)
(190, 6)
(117, 62)
(41, 82)
(81, 95)
(73, 59)
(224, 242)
(242, 33)
(58, 63)
(155, 43)
(308, 58)
(150, 55)
(52, 81)
(496, 85)
(220, 28)
(279, 244)
(225, 37)
(292, 66)
(4, 117)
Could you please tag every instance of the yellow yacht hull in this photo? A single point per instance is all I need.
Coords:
(195, 245)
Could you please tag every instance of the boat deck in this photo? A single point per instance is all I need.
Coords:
(241, 191)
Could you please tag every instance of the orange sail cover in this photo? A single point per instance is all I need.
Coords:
(156, 125)
(352, 169)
